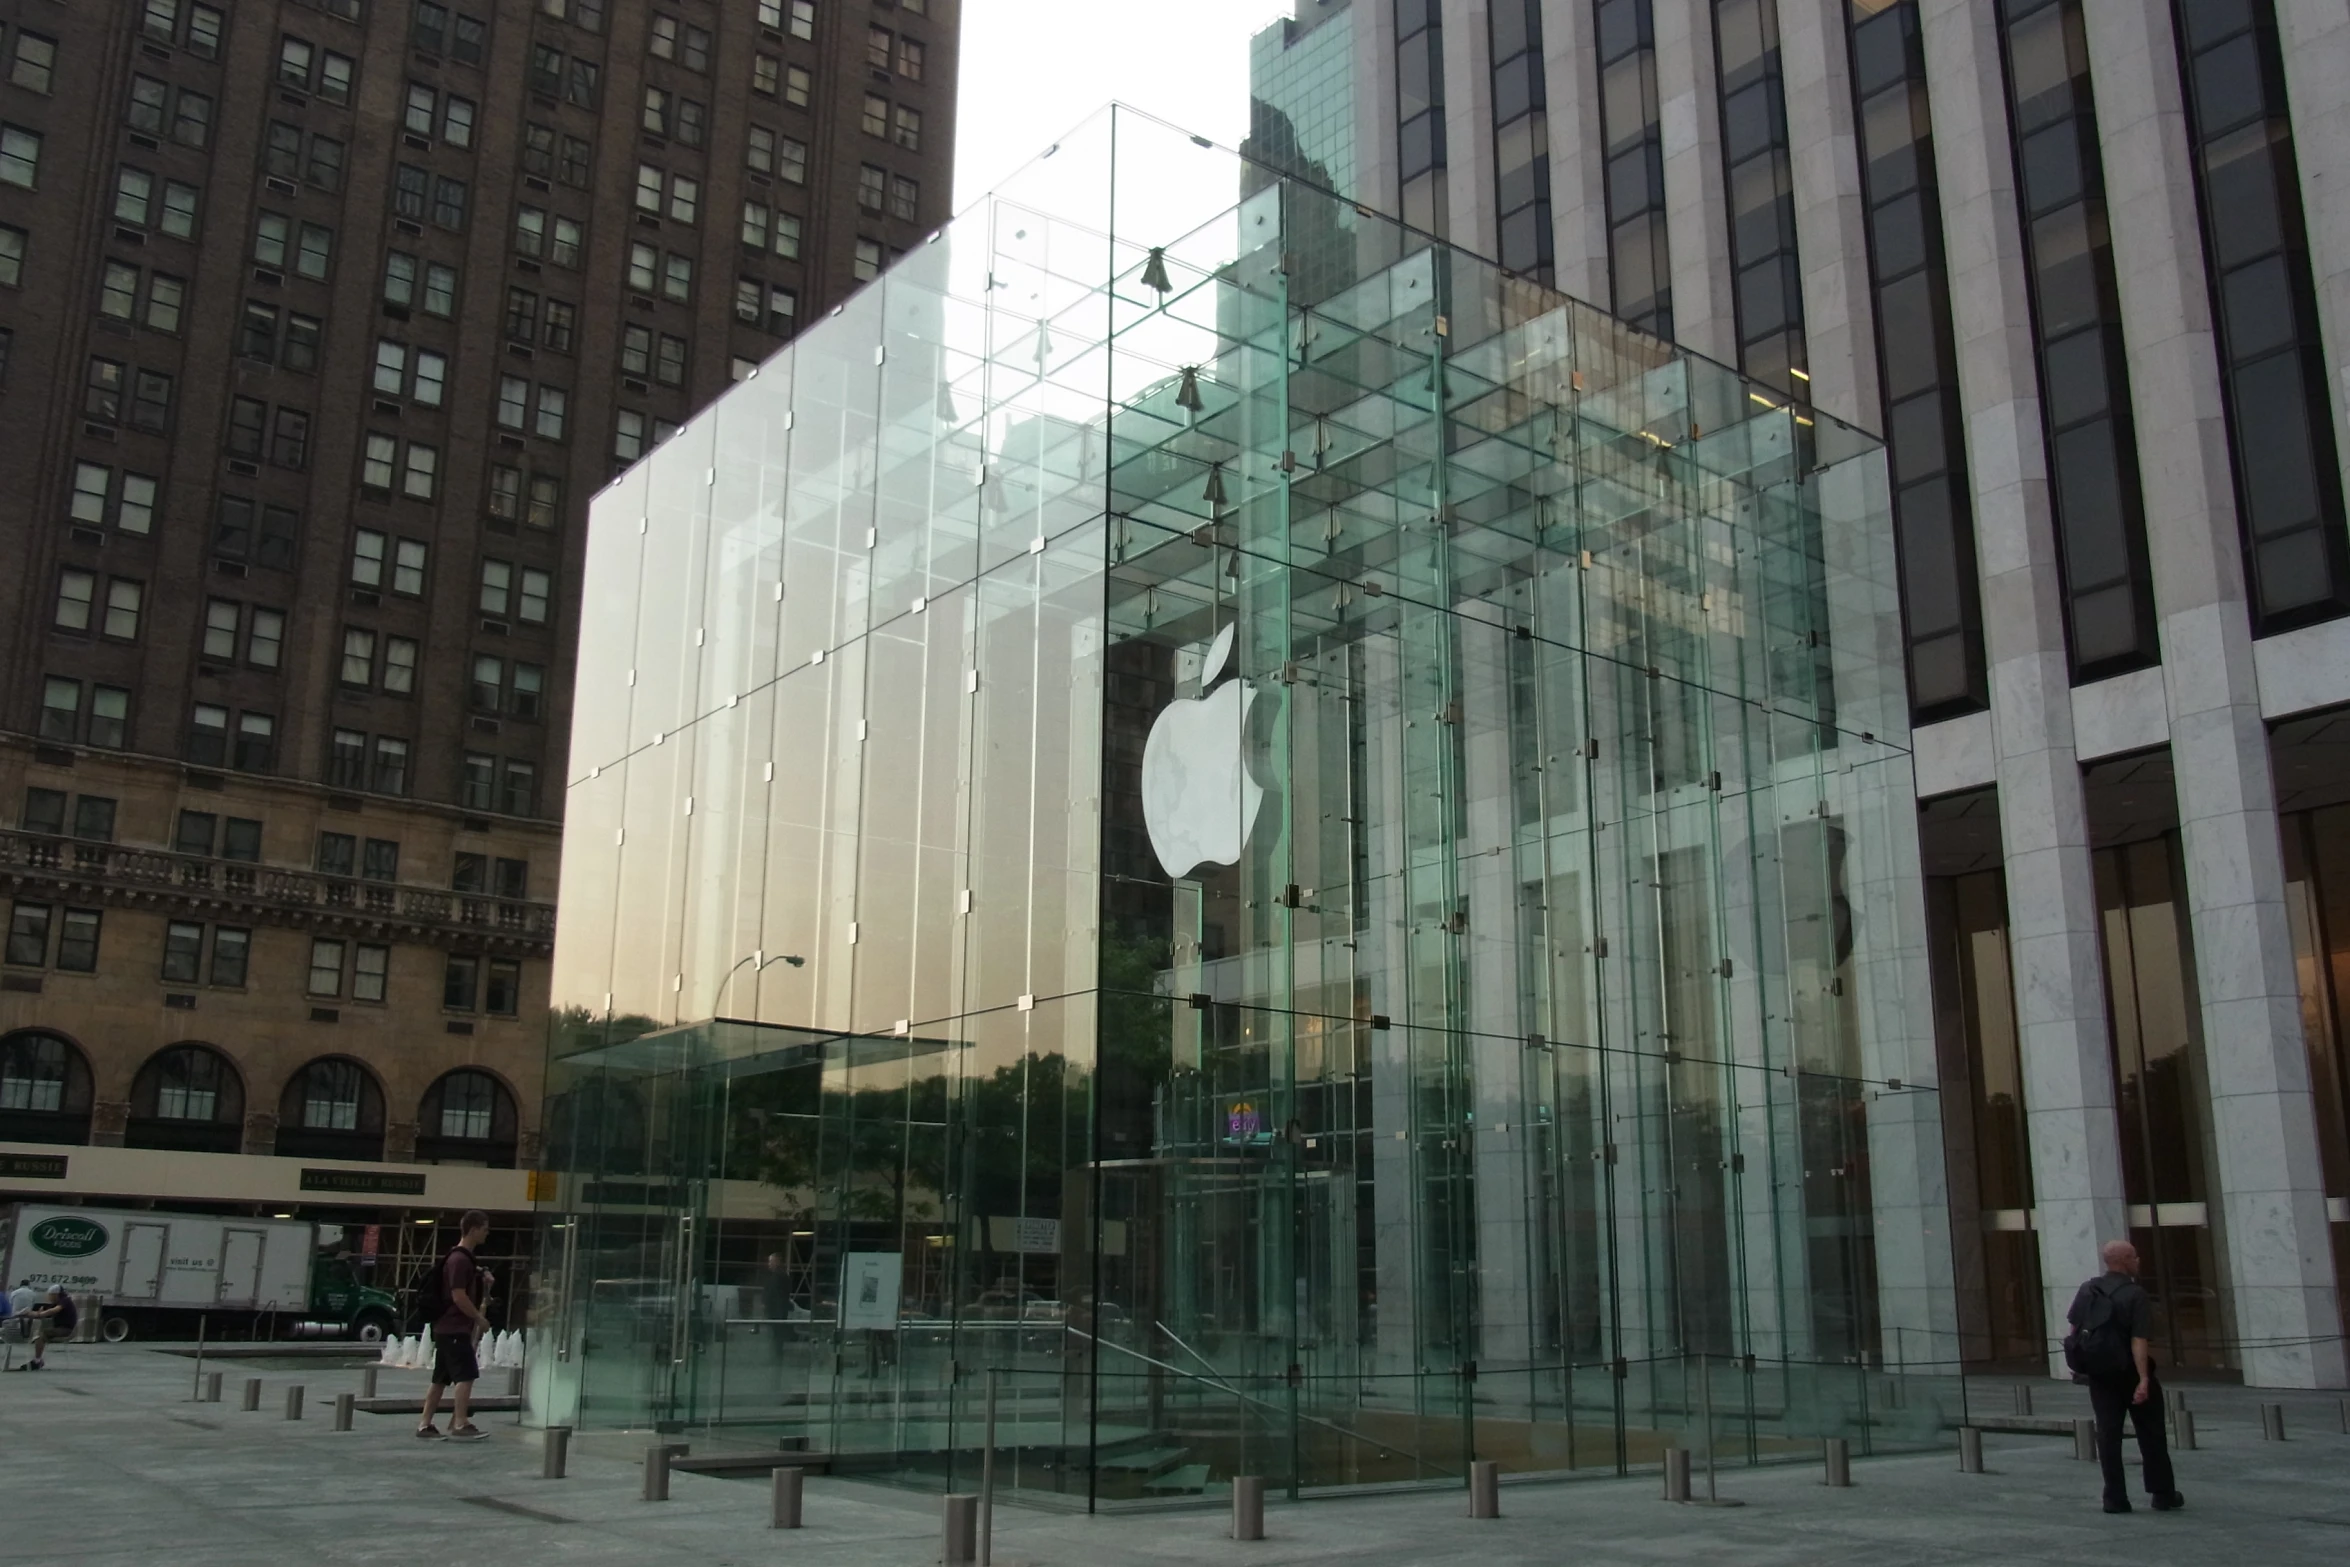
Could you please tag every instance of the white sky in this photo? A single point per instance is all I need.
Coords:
(1032, 69)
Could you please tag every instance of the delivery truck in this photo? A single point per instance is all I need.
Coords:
(141, 1271)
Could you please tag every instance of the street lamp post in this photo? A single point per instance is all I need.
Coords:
(791, 958)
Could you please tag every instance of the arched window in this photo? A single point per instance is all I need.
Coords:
(44, 1089)
(466, 1118)
(187, 1096)
(331, 1109)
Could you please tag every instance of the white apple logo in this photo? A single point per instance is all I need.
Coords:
(1198, 799)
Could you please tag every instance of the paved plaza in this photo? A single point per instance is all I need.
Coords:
(106, 1461)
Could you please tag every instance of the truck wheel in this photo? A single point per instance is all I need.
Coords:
(116, 1330)
(371, 1328)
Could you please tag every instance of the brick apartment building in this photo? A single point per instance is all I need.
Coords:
(320, 320)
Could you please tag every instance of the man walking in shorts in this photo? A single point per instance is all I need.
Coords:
(456, 1331)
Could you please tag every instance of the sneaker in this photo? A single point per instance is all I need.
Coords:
(468, 1432)
(2169, 1502)
(428, 1433)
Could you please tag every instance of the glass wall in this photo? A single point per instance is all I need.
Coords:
(1303, 878)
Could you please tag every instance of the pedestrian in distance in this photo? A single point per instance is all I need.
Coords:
(52, 1320)
(452, 1302)
(2111, 1349)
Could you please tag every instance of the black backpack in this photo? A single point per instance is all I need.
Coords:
(430, 1288)
(2097, 1348)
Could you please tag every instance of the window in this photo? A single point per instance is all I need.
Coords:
(151, 401)
(528, 692)
(408, 568)
(12, 243)
(803, 19)
(289, 439)
(411, 191)
(677, 278)
(420, 110)
(791, 160)
(391, 366)
(28, 935)
(536, 588)
(420, 473)
(663, 43)
(367, 558)
(148, 106)
(497, 586)
(685, 197)
(459, 982)
(379, 860)
(301, 345)
(246, 418)
(477, 779)
(553, 405)
(256, 742)
(295, 60)
(513, 401)
(92, 484)
(77, 941)
(20, 156)
(223, 618)
(669, 368)
(538, 150)
(391, 765)
(448, 203)
(358, 657)
(766, 74)
(110, 711)
(93, 818)
(191, 118)
(371, 967)
(519, 796)
(563, 248)
(346, 759)
(759, 150)
(501, 993)
(281, 150)
(648, 188)
(905, 198)
(240, 840)
(767, 305)
(122, 608)
(513, 879)
(324, 167)
(265, 642)
(489, 683)
(431, 378)
(399, 665)
(379, 462)
(231, 948)
(906, 128)
(867, 265)
(879, 45)
(457, 121)
(530, 231)
(643, 267)
(102, 390)
(183, 951)
(77, 591)
(657, 113)
(875, 119)
(628, 435)
(44, 811)
(872, 187)
(561, 317)
(194, 832)
(33, 61)
(468, 1103)
(798, 86)
(326, 979)
(506, 487)
(61, 708)
(910, 59)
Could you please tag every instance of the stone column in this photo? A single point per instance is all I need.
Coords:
(1578, 153)
(1689, 105)
(2314, 37)
(1468, 129)
(2271, 1211)
(1830, 216)
(2052, 900)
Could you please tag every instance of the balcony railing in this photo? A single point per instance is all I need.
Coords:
(268, 889)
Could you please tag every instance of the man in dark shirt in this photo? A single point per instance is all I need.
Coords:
(2134, 1390)
(455, 1332)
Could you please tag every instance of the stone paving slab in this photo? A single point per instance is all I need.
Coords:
(103, 1461)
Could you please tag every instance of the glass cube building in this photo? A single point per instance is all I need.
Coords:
(1282, 852)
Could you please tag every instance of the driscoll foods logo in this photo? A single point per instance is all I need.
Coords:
(68, 1237)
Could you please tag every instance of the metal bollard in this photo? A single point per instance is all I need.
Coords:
(2023, 1398)
(1248, 1507)
(960, 1542)
(557, 1454)
(1970, 1450)
(252, 1394)
(790, 1488)
(2187, 1430)
(367, 1381)
(657, 1472)
(212, 1387)
(343, 1403)
(294, 1402)
(1839, 1461)
(2272, 1422)
(1484, 1489)
(2085, 1441)
(1676, 1474)
(2343, 1410)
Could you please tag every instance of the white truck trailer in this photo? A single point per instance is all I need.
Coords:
(140, 1265)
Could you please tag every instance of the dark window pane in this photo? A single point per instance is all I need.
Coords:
(1918, 434)
(2256, 308)
(2090, 512)
(2241, 190)
(2075, 372)
(2273, 410)
(1899, 228)
(2228, 86)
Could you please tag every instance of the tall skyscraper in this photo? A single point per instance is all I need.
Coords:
(319, 324)
(2081, 265)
